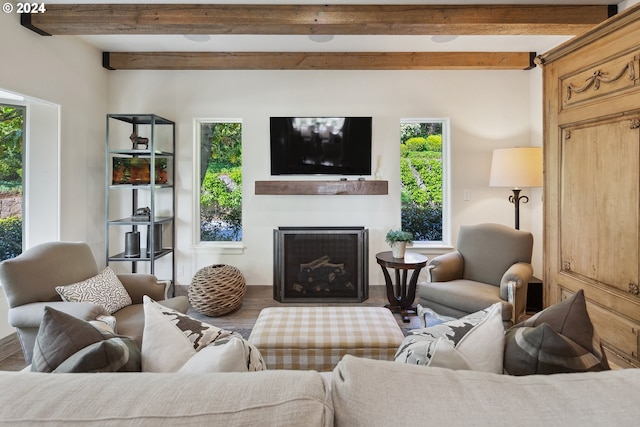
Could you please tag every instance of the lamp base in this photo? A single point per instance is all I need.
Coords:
(515, 199)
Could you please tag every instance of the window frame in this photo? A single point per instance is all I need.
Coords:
(228, 247)
(17, 101)
(445, 243)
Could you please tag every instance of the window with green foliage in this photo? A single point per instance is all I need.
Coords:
(423, 148)
(11, 161)
(220, 181)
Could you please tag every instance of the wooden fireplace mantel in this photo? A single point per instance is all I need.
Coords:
(349, 187)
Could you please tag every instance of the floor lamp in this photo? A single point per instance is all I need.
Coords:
(517, 168)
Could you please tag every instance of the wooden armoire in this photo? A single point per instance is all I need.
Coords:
(592, 179)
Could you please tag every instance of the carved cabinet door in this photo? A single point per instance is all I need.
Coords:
(592, 179)
(599, 228)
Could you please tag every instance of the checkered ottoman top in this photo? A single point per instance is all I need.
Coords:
(317, 337)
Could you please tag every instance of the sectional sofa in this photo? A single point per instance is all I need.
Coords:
(359, 392)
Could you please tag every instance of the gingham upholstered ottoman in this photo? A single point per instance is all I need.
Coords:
(316, 338)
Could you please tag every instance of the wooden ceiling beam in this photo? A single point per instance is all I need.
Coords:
(102, 19)
(318, 60)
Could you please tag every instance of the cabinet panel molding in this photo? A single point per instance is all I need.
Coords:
(601, 80)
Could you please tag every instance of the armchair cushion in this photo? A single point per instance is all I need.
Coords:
(458, 298)
(103, 289)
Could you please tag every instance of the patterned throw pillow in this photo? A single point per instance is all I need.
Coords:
(429, 317)
(67, 344)
(559, 339)
(474, 342)
(104, 289)
(175, 342)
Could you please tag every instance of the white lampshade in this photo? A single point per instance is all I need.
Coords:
(517, 167)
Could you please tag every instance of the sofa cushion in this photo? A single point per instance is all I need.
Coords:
(558, 339)
(172, 341)
(67, 344)
(376, 393)
(474, 342)
(104, 289)
(266, 398)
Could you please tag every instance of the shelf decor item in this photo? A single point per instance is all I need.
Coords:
(157, 239)
(136, 170)
(217, 289)
(398, 240)
(138, 140)
(142, 214)
(132, 244)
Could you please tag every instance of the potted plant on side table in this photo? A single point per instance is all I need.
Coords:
(398, 240)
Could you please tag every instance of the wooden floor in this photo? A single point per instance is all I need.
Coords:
(256, 298)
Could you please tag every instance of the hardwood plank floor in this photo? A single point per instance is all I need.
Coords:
(256, 298)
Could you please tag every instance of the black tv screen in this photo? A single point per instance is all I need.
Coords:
(321, 145)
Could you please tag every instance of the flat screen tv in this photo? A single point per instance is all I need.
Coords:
(321, 145)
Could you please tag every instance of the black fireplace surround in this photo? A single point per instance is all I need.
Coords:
(320, 264)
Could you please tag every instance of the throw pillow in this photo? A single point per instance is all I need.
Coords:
(227, 356)
(67, 344)
(172, 342)
(474, 342)
(104, 289)
(429, 317)
(558, 339)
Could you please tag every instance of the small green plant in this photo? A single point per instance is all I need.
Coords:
(10, 237)
(398, 236)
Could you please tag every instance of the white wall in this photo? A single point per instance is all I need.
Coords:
(488, 109)
(64, 78)
(67, 72)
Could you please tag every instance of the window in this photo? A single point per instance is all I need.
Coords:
(424, 171)
(220, 180)
(11, 163)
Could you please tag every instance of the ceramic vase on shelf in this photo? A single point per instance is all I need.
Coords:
(132, 244)
(157, 239)
(398, 249)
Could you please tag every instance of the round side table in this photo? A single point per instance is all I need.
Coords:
(402, 295)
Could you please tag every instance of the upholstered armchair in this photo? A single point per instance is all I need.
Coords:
(30, 279)
(491, 263)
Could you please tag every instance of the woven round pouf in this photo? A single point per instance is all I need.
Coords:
(217, 289)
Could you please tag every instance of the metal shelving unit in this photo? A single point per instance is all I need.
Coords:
(160, 135)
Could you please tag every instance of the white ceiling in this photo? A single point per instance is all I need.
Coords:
(298, 43)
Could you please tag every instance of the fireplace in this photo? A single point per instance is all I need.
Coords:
(320, 264)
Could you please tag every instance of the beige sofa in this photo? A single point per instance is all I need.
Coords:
(359, 392)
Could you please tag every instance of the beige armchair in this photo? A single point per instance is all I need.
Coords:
(29, 282)
(491, 263)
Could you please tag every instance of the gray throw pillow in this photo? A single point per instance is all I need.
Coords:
(67, 344)
(558, 339)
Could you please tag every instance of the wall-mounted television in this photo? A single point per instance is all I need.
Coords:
(321, 145)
